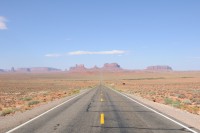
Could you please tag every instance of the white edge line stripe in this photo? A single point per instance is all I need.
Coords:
(10, 131)
(156, 112)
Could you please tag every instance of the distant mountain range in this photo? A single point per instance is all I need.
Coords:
(108, 67)
(32, 69)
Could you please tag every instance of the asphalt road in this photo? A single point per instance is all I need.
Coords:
(82, 115)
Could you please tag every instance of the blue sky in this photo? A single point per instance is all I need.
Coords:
(135, 34)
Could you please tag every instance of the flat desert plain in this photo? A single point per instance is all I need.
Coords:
(24, 91)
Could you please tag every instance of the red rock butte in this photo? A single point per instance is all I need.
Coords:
(113, 67)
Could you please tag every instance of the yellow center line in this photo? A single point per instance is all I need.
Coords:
(102, 118)
(102, 114)
(101, 99)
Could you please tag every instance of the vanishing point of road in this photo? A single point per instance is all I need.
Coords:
(100, 110)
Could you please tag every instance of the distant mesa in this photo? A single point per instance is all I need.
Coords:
(94, 69)
(23, 70)
(35, 69)
(44, 69)
(112, 67)
(12, 69)
(159, 68)
(2, 70)
(78, 68)
(107, 67)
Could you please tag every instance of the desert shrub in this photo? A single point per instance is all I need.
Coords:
(196, 91)
(181, 96)
(195, 109)
(120, 90)
(168, 100)
(76, 91)
(26, 99)
(177, 95)
(152, 93)
(187, 101)
(33, 103)
(198, 101)
(7, 111)
(176, 104)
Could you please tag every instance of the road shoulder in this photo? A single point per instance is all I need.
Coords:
(11, 121)
(180, 115)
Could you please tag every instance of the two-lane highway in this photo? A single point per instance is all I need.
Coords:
(101, 110)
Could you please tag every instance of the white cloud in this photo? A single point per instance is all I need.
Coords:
(3, 23)
(53, 55)
(112, 52)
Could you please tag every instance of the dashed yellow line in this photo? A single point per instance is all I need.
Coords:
(102, 118)
(102, 114)
(101, 99)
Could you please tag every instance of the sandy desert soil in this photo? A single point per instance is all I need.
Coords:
(178, 89)
(21, 92)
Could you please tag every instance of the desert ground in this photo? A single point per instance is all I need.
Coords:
(178, 89)
(24, 91)
(21, 92)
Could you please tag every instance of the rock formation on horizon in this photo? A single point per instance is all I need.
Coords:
(107, 67)
(2, 70)
(112, 67)
(37, 69)
(95, 68)
(23, 70)
(12, 69)
(78, 68)
(44, 69)
(159, 68)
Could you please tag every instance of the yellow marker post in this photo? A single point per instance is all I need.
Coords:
(102, 119)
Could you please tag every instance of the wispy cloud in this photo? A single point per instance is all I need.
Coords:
(53, 55)
(112, 52)
(3, 23)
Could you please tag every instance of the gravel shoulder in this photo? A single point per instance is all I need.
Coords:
(11, 121)
(183, 116)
